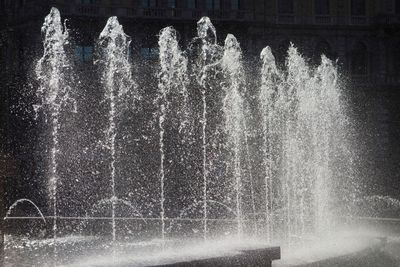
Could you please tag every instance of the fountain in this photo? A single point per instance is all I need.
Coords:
(54, 93)
(270, 82)
(173, 93)
(223, 208)
(118, 83)
(234, 115)
(206, 32)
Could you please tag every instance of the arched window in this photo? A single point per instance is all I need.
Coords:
(235, 4)
(358, 7)
(217, 4)
(172, 3)
(213, 4)
(359, 59)
(285, 6)
(322, 7)
(192, 4)
(149, 3)
(388, 6)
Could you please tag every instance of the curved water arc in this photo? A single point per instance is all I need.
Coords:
(19, 201)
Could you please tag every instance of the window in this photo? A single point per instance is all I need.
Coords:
(388, 5)
(172, 3)
(235, 4)
(192, 4)
(322, 7)
(209, 4)
(84, 53)
(149, 52)
(359, 59)
(358, 7)
(88, 2)
(213, 4)
(217, 4)
(285, 6)
(149, 3)
(397, 7)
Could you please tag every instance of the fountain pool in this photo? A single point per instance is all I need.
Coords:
(205, 155)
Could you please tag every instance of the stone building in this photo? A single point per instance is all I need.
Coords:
(363, 35)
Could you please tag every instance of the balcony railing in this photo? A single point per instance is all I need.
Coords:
(392, 79)
(195, 14)
(320, 20)
(153, 12)
(362, 20)
(219, 14)
(286, 19)
(323, 20)
(361, 79)
(166, 13)
(88, 10)
(131, 12)
(387, 19)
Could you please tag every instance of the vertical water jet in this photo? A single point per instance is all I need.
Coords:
(328, 126)
(206, 32)
(233, 107)
(268, 100)
(118, 84)
(53, 72)
(173, 97)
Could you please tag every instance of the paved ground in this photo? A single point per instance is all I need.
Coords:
(384, 254)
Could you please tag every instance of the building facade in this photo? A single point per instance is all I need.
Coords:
(362, 35)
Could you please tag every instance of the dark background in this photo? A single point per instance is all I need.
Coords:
(362, 35)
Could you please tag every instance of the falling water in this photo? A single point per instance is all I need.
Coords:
(54, 93)
(270, 81)
(22, 200)
(302, 145)
(118, 83)
(297, 162)
(303, 123)
(209, 51)
(162, 159)
(172, 88)
(251, 177)
(233, 107)
(328, 119)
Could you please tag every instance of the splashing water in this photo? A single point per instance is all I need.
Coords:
(172, 93)
(173, 76)
(209, 56)
(303, 130)
(204, 28)
(118, 83)
(234, 114)
(299, 117)
(54, 93)
(22, 200)
(268, 95)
